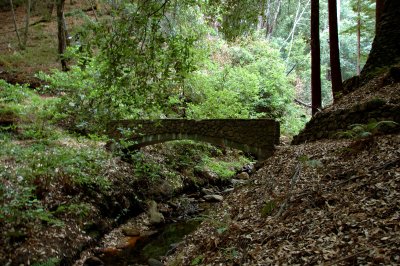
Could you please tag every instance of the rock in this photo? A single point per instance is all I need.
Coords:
(148, 233)
(127, 242)
(238, 182)
(93, 261)
(107, 251)
(248, 168)
(214, 198)
(154, 262)
(228, 190)
(243, 176)
(207, 191)
(130, 231)
(154, 215)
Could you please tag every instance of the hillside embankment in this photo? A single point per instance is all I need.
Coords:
(326, 200)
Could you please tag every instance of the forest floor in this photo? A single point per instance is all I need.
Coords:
(20, 66)
(331, 202)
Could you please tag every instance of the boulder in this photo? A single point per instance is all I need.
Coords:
(93, 261)
(214, 198)
(207, 191)
(243, 176)
(131, 231)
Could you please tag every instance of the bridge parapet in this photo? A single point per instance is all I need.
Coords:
(257, 136)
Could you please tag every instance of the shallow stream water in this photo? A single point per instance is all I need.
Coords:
(155, 246)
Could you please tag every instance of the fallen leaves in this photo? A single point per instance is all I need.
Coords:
(345, 212)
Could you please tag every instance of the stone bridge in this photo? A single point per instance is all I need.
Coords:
(255, 136)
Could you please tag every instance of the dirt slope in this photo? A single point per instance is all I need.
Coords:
(331, 202)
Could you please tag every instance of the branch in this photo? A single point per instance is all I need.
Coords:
(15, 23)
(303, 103)
(292, 184)
(158, 10)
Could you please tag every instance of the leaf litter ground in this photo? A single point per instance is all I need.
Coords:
(331, 202)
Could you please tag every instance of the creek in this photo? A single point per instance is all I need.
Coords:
(135, 244)
(153, 247)
(140, 241)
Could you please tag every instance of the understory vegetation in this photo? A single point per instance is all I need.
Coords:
(46, 171)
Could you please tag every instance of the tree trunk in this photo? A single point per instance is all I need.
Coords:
(378, 13)
(62, 40)
(15, 25)
(358, 38)
(297, 19)
(316, 99)
(385, 51)
(273, 22)
(337, 87)
(28, 15)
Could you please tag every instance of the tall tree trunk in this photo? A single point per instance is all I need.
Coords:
(316, 99)
(358, 38)
(337, 86)
(275, 18)
(62, 40)
(28, 15)
(385, 51)
(297, 19)
(378, 13)
(15, 25)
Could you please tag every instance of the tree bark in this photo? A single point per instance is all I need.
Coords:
(273, 22)
(378, 13)
(15, 24)
(62, 40)
(358, 38)
(28, 15)
(316, 98)
(297, 19)
(337, 86)
(385, 51)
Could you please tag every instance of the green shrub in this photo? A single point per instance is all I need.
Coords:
(80, 210)
(13, 93)
(360, 131)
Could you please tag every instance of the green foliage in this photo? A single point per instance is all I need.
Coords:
(80, 210)
(268, 208)
(224, 169)
(186, 156)
(170, 69)
(145, 169)
(360, 131)
(19, 205)
(130, 77)
(198, 260)
(37, 158)
(49, 262)
(242, 84)
(13, 93)
(312, 163)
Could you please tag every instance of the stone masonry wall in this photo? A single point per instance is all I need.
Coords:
(253, 135)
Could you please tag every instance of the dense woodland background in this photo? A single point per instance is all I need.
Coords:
(194, 59)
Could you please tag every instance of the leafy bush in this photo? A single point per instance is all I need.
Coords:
(360, 131)
(248, 82)
(13, 93)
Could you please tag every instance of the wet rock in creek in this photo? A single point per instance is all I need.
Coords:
(93, 261)
(213, 198)
(154, 262)
(131, 231)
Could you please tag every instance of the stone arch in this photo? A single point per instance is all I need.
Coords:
(256, 136)
(160, 138)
